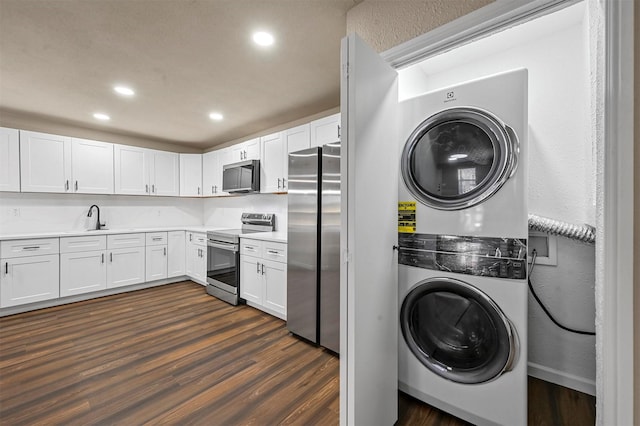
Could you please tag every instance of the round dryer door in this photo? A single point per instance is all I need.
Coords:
(458, 157)
(457, 331)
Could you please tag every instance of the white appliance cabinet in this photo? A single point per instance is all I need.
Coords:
(248, 150)
(142, 171)
(156, 256)
(30, 271)
(325, 130)
(83, 266)
(196, 257)
(126, 263)
(272, 167)
(263, 275)
(9, 160)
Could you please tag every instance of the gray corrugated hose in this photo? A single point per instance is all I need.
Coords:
(585, 233)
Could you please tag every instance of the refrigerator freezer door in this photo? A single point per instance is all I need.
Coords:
(330, 248)
(302, 238)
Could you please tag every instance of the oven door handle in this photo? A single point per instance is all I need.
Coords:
(229, 247)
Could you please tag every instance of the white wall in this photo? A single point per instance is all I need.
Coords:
(561, 170)
(225, 212)
(34, 212)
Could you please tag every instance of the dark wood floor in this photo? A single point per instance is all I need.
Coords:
(175, 355)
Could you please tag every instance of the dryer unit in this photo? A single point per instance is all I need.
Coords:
(463, 158)
(462, 249)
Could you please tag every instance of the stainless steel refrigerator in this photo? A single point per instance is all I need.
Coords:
(313, 254)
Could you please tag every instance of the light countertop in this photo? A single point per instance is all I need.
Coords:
(84, 233)
(277, 236)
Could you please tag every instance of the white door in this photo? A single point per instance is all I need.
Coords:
(275, 287)
(92, 166)
(272, 165)
(296, 139)
(126, 266)
(29, 279)
(156, 263)
(368, 279)
(165, 173)
(252, 149)
(45, 162)
(190, 175)
(82, 272)
(131, 170)
(251, 279)
(195, 259)
(325, 130)
(177, 253)
(209, 172)
(9, 160)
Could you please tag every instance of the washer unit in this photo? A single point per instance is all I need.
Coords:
(462, 249)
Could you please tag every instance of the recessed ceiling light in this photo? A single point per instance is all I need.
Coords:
(124, 91)
(216, 116)
(262, 38)
(101, 116)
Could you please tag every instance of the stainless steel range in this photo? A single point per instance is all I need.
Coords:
(223, 255)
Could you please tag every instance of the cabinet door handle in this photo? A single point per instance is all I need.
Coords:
(146, 188)
(31, 248)
(216, 187)
(190, 237)
(102, 256)
(165, 251)
(157, 238)
(198, 190)
(212, 191)
(76, 185)
(6, 268)
(339, 131)
(66, 185)
(111, 257)
(272, 252)
(278, 183)
(257, 267)
(283, 183)
(153, 188)
(262, 267)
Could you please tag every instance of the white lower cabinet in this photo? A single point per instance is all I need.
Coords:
(156, 256)
(82, 272)
(29, 279)
(196, 257)
(263, 275)
(126, 266)
(177, 254)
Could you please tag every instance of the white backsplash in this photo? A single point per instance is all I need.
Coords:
(36, 212)
(225, 212)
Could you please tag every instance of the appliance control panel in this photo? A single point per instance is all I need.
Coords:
(491, 257)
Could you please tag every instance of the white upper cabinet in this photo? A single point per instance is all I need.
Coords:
(272, 165)
(141, 171)
(249, 150)
(9, 160)
(212, 163)
(131, 170)
(164, 173)
(325, 130)
(298, 138)
(191, 175)
(91, 166)
(45, 162)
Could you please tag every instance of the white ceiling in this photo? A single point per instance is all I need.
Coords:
(184, 58)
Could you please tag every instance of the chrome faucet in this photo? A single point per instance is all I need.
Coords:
(98, 224)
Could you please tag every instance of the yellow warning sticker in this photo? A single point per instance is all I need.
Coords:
(407, 217)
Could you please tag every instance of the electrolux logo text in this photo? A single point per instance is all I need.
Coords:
(450, 97)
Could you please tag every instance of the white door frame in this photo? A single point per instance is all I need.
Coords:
(615, 169)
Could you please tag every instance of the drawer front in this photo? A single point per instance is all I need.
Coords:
(197, 239)
(156, 238)
(125, 241)
(251, 247)
(275, 251)
(31, 247)
(78, 244)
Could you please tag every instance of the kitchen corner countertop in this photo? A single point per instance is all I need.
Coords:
(277, 236)
(87, 233)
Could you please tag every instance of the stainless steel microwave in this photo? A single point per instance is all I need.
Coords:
(241, 177)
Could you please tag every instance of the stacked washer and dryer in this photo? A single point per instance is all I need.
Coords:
(462, 249)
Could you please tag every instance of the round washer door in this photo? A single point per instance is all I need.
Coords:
(457, 331)
(458, 158)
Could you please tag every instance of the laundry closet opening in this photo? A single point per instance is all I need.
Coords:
(561, 53)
